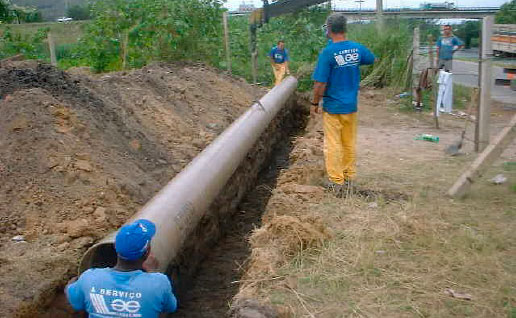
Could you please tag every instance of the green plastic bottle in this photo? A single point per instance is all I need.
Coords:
(428, 137)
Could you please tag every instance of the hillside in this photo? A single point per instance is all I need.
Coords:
(51, 9)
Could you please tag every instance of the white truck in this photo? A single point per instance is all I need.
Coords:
(504, 39)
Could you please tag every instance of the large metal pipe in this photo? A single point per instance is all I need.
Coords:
(179, 206)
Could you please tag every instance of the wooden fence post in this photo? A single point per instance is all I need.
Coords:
(52, 48)
(226, 40)
(125, 45)
(415, 62)
(431, 51)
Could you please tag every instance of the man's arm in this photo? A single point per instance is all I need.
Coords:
(320, 77)
(318, 93)
(169, 302)
(366, 56)
(459, 44)
(75, 297)
(287, 61)
(438, 44)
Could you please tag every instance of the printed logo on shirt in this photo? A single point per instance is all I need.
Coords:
(127, 305)
(349, 57)
(447, 41)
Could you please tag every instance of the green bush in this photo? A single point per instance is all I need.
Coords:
(32, 46)
(140, 31)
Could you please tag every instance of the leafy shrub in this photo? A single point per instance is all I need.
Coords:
(31, 46)
(140, 31)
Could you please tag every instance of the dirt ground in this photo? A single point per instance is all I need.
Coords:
(397, 247)
(79, 154)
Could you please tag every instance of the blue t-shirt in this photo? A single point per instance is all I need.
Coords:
(107, 293)
(445, 45)
(339, 67)
(279, 56)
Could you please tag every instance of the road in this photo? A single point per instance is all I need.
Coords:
(466, 73)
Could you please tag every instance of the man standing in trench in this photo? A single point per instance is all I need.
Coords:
(279, 62)
(126, 290)
(337, 82)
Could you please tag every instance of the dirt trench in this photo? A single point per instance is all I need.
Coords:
(206, 275)
(81, 153)
(216, 282)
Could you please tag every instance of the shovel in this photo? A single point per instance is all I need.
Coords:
(455, 148)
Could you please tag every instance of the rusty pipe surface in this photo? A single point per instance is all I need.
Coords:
(179, 206)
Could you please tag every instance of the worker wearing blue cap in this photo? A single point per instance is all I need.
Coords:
(126, 290)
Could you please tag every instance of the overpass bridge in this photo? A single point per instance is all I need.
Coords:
(459, 13)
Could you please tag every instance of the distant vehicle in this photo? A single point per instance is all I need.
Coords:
(438, 6)
(64, 19)
(504, 39)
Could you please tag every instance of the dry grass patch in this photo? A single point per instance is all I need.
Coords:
(398, 248)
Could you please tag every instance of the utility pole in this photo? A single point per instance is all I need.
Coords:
(379, 15)
(360, 8)
(485, 83)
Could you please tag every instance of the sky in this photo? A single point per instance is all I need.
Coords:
(233, 4)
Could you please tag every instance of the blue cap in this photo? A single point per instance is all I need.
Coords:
(132, 240)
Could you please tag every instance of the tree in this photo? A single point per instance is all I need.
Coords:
(468, 32)
(78, 12)
(4, 11)
(507, 13)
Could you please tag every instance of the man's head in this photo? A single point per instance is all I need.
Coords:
(281, 44)
(132, 242)
(447, 30)
(337, 24)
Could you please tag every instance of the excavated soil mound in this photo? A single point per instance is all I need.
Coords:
(80, 154)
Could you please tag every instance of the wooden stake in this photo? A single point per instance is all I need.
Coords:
(415, 62)
(490, 153)
(254, 51)
(226, 40)
(125, 45)
(52, 48)
(485, 84)
(431, 51)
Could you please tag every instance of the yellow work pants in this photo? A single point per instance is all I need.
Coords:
(340, 131)
(279, 69)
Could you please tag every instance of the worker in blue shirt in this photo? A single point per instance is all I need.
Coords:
(126, 290)
(447, 45)
(337, 82)
(279, 61)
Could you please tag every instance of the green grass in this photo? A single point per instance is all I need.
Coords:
(399, 258)
(64, 33)
(461, 96)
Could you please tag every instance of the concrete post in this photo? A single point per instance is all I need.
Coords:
(379, 15)
(485, 83)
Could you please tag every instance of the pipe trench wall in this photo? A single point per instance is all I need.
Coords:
(218, 217)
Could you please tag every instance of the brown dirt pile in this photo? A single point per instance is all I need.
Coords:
(80, 154)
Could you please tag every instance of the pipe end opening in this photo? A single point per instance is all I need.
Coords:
(99, 256)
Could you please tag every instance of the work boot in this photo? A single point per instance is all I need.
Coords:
(334, 188)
